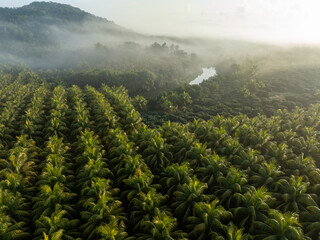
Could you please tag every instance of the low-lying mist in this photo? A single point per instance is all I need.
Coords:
(57, 36)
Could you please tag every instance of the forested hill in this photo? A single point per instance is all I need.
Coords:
(53, 36)
(53, 13)
(40, 28)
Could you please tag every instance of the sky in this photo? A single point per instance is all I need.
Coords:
(281, 21)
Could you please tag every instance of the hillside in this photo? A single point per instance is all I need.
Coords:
(50, 38)
(42, 27)
(52, 35)
(48, 12)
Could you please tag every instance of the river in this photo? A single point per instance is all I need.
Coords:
(206, 74)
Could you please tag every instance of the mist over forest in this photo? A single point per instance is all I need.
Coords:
(104, 134)
(46, 35)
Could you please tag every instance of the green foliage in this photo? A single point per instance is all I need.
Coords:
(280, 226)
(80, 164)
(139, 103)
(238, 88)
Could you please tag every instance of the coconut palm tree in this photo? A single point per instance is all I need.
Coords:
(104, 210)
(9, 229)
(230, 186)
(185, 198)
(208, 133)
(56, 226)
(139, 182)
(127, 167)
(268, 175)
(236, 234)
(179, 139)
(35, 116)
(80, 112)
(162, 227)
(144, 207)
(173, 176)
(157, 155)
(14, 206)
(114, 230)
(253, 207)
(292, 195)
(208, 221)
(310, 220)
(279, 226)
(51, 199)
(197, 155)
(214, 167)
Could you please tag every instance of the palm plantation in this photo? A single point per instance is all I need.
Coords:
(80, 164)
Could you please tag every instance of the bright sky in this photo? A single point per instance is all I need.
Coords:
(284, 21)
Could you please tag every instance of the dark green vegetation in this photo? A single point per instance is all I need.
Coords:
(145, 71)
(80, 164)
(77, 160)
(248, 88)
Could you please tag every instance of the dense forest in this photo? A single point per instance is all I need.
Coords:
(80, 164)
(240, 89)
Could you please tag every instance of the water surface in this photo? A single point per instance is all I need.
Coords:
(206, 74)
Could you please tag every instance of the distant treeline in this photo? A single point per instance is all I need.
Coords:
(238, 89)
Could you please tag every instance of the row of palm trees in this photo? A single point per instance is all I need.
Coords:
(268, 164)
(157, 155)
(146, 194)
(54, 214)
(148, 216)
(102, 112)
(103, 174)
(18, 166)
(231, 188)
(35, 115)
(187, 195)
(241, 147)
(101, 213)
(247, 144)
(18, 176)
(14, 97)
(144, 219)
(129, 118)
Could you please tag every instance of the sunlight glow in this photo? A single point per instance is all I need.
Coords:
(282, 21)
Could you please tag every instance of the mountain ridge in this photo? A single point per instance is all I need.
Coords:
(42, 27)
(48, 9)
